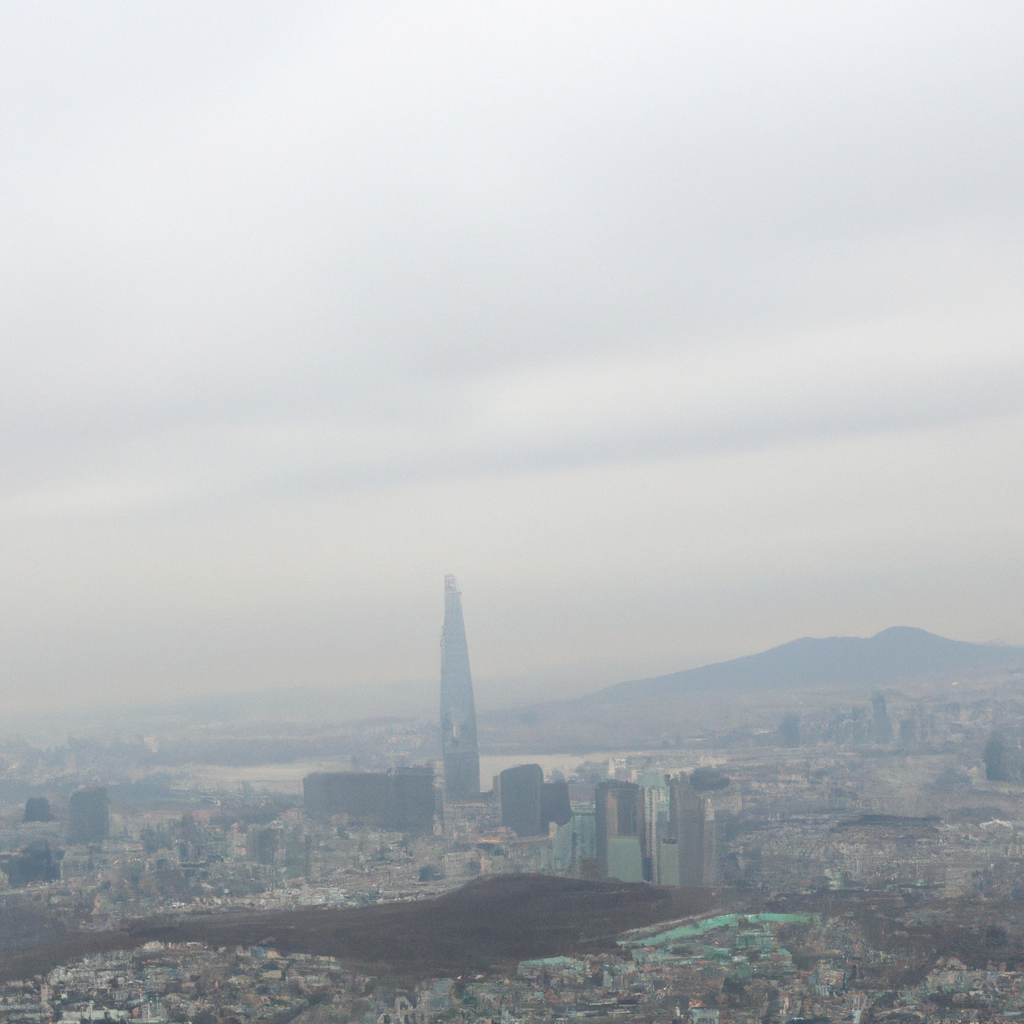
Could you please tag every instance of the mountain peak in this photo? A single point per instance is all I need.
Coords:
(888, 658)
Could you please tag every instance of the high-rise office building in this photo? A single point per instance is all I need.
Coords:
(554, 804)
(688, 857)
(529, 805)
(575, 847)
(88, 816)
(621, 835)
(521, 789)
(458, 715)
(402, 799)
(412, 809)
(37, 808)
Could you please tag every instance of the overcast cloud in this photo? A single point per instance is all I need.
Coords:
(675, 331)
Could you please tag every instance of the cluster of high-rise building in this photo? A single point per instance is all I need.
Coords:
(529, 805)
(404, 799)
(661, 830)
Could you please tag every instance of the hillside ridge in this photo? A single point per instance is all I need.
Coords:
(896, 653)
(641, 712)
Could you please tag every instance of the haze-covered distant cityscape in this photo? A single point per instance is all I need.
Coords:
(511, 513)
(848, 842)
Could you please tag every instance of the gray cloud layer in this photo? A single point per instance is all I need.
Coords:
(674, 330)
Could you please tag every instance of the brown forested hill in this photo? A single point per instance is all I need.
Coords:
(486, 925)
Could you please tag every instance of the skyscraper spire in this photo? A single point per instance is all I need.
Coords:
(458, 715)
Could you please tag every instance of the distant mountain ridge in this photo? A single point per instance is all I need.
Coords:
(805, 672)
(895, 654)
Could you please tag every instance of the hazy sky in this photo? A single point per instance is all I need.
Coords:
(675, 331)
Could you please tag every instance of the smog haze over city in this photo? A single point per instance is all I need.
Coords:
(675, 332)
(511, 512)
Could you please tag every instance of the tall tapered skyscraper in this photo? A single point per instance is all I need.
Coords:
(458, 715)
